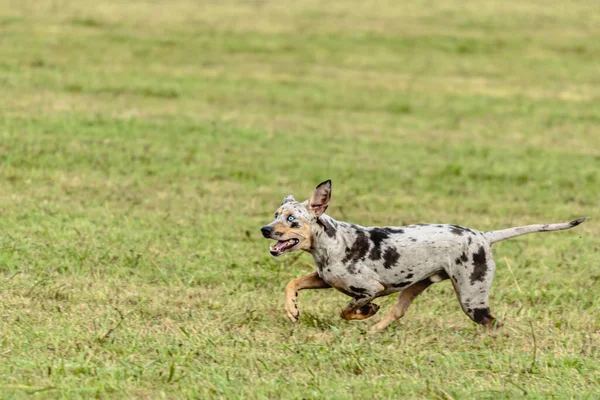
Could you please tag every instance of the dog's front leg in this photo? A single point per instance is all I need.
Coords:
(312, 281)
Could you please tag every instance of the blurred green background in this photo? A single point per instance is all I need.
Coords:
(143, 144)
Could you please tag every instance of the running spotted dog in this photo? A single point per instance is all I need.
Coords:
(370, 262)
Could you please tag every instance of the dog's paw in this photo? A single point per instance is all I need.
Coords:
(366, 311)
(494, 325)
(291, 310)
(293, 317)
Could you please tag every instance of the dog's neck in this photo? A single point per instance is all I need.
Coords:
(329, 239)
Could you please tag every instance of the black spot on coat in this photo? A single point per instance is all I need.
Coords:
(462, 259)
(378, 235)
(394, 230)
(358, 289)
(401, 284)
(322, 262)
(461, 228)
(359, 249)
(295, 225)
(390, 257)
(456, 231)
(327, 227)
(347, 293)
(479, 266)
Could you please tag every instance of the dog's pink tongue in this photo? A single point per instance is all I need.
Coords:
(279, 245)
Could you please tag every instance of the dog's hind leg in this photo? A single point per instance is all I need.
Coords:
(405, 298)
(473, 291)
(477, 307)
(361, 307)
(312, 281)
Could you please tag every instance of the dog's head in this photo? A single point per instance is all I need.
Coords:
(294, 221)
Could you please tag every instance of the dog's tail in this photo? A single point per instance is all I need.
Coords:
(496, 236)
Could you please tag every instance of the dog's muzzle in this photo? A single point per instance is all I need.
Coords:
(266, 231)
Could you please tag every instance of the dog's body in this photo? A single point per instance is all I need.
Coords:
(370, 262)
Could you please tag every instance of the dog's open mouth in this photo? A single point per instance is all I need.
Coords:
(282, 246)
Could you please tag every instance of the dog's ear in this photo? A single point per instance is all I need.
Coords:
(288, 198)
(319, 201)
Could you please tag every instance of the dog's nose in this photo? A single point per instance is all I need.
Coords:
(266, 231)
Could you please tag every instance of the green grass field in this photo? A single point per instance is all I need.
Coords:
(143, 145)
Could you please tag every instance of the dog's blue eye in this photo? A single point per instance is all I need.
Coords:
(291, 218)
